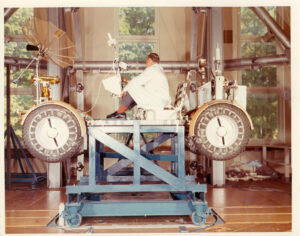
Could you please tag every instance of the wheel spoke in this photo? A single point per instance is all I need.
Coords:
(223, 140)
(55, 141)
(49, 121)
(219, 122)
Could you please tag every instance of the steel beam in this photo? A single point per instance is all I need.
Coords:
(253, 62)
(272, 25)
(8, 12)
(22, 62)
(93, 188)
(138, 66)
(230, 64)
(138, 208)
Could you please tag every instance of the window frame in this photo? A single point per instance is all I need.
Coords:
(138, 38)
(278, 89)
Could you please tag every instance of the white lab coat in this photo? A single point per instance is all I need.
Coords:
(150, 89)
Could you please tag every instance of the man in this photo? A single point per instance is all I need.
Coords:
(149, 90)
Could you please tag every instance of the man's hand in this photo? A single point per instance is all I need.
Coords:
(124, 79)
(123, 94)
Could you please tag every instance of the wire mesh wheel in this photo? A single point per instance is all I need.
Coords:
(222, 131)
(52, 133)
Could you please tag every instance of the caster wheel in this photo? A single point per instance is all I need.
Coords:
(74, 221)
(197, 220)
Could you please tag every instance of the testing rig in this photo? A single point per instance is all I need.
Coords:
(218, 128)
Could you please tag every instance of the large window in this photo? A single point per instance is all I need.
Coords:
(263, 101)
(137, 32)
(15, 46)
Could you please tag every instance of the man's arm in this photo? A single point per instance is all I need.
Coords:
(142, 78)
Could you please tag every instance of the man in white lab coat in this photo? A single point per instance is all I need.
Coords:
(149, 90)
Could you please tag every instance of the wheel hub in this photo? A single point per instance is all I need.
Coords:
(52, 133)
(221, 131)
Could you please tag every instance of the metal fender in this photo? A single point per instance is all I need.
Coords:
(195, 115)
(74, 111)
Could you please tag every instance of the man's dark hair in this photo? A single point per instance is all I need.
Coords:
(154, 57)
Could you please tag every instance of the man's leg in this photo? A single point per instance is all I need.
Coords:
(127, 103)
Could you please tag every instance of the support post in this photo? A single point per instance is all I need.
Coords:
(136, 146)
(92, 161)
(8, 130)
(264, 155)
(216, 24)
(193, 57)
(54, 179)
(287, 164)
(79, 77)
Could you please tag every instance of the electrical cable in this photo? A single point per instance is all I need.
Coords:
(97, 98)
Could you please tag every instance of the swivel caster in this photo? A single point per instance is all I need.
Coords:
(197, 219)
(74, 221)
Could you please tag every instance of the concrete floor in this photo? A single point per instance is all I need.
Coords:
(262, 206)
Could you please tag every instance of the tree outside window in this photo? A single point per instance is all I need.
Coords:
(262, 105)
(21, 93)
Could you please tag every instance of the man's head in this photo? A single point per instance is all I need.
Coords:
(152, 59)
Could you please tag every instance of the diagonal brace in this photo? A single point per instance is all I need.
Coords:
(136, 158)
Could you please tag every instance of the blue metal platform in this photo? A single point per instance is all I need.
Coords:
(85, 198)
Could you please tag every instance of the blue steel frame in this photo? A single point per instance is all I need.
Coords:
(32, 177)
(84, 199)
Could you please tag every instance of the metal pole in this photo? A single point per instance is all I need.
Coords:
(193, 98)
(23, 62)
(107, 65)
(272, 25)
(79, 76)
(240, 63)
(8, 131)
(229, 64)
(8, 12)
(218, 167)
(54, 169)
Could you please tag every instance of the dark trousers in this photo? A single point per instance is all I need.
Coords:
(128, 101)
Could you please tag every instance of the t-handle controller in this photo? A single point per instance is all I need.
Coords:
(111, 41)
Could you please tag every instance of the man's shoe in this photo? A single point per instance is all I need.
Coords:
(112, 115)
(116, 115)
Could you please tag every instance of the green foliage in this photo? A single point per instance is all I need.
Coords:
(263, 109)
(251, 24)
(15, 23)
(264, 77)
(18, 49)
(24, 81)
(137, 21)
(18, 103)
(135, 51)
(257, 49)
